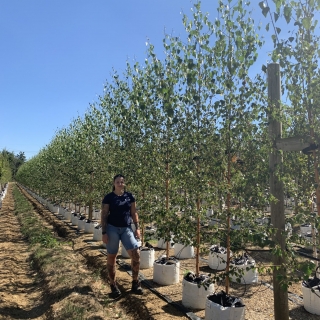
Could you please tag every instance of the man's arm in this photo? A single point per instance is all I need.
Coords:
(134, 214)
(135, 219)
(104, 216)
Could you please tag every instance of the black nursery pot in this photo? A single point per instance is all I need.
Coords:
(191, 277)
(226, 300)
(164, 260)
(166, 271)
(195, 290)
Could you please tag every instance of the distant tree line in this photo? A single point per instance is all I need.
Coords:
(9, 164)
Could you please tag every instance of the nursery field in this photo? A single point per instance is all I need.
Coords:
(29, 291)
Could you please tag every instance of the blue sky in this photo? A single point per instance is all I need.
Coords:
(56, 56)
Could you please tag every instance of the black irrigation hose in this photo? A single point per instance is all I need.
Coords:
(291, 296)
(149, 285)
(298, 252)
(307, 256)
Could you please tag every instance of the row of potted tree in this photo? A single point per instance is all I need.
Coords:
(189, 132)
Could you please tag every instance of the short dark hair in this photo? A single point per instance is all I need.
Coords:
(118, 176)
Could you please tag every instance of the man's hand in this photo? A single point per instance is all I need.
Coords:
(105, 238)
(137, 234)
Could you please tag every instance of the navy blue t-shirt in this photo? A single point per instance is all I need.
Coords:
(119, 208)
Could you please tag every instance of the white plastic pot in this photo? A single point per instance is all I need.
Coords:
(67, 215)
(89, 226)
(74, 219)
(311, 300)
(217, 261)
(209, 213)
(146, 258)
(96, 215)
(97, 234)
(182, 251)
(125, 253)
(305, 229)
(166, 274)
(214, 311)
(81, 223)
(248, 276)
(82, 209)
(162, 244)
(195, 297)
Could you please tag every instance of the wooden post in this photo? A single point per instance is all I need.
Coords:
(281, 309)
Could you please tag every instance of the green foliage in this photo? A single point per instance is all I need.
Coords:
(14, 162)
(189, 131)
(31, 226)
(5, 169)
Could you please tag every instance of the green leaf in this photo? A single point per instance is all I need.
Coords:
(278, 30)
(262, 5)
(170, 111)
(267, 26)
(287, 13)
(276, 16)
(264, 68)
(278, 4)
(265, 11)
(306, 22)
(190, 63)
(291, 39)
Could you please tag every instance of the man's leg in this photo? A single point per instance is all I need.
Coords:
(135, 267)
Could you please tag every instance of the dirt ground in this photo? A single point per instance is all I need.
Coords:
(20, 290)
(22, 296)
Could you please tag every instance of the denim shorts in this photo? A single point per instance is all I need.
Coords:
(125, 234)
